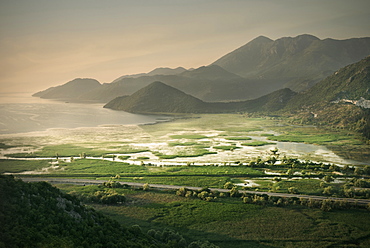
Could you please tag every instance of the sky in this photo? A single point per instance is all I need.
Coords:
(44, 43)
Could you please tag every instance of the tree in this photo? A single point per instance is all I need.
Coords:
(328, 178)
(328, 190)
(276, 179)
(234, 192)
(293, 190)
(346, 168)
(181, 191)
(326, 205)
(275, 151)
(367, 170)
(229, 185)
(358, 171)
(146, 187)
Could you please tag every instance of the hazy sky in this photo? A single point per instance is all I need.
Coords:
(45, 43)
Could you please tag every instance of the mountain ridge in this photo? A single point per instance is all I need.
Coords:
(257, 68)
(158, 97)
(295, 62)
(156, 71)
(70, 90)
(341, 100)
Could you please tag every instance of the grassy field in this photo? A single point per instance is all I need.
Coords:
(16, 166)
(230, 223)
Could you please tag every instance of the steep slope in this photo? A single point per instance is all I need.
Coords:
(271, 102)
(297, 63)
(157, 98)
(69, 91)
(342, 100)
(39, 215)
(349, 83)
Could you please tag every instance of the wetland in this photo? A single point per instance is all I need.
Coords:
(264, 154)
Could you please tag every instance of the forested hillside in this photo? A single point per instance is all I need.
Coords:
(338, 101)
(39, 215)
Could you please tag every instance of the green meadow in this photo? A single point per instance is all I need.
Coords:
(228, 222)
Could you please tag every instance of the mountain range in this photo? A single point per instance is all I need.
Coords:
(251, 71)
(158, 97)
(341, 100)
(297, 63)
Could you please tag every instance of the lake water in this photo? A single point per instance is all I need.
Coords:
(23, 113)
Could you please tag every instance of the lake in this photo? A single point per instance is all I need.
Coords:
(23, 116)
(21, 113)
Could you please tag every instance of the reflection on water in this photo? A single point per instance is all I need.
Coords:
(25, 114)
(34, 114)
(307, 151)
(314, 151)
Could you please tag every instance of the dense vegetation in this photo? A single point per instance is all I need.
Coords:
(39, 215)
(228, 220)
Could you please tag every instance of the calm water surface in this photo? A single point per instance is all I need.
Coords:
(23, 113)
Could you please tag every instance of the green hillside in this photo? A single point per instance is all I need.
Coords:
(351, 82)
(39, 215)
(332, 102)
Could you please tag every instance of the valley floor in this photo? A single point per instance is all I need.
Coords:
(208, 151)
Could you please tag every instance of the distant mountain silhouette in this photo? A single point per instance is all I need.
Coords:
(297, 63)
(161, 98)
(208, 83)
(157, 98)
(260, 67)
(157, 71)
(69, 91)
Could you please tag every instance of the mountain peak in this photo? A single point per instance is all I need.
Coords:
(157, 97)
(211, 72)
(295, 62)
(307, 36)
(166, 71)
(261, 39)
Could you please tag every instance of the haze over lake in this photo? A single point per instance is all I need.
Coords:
(22, 113)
